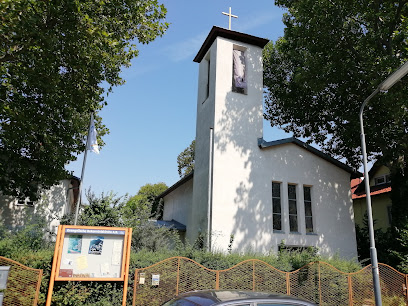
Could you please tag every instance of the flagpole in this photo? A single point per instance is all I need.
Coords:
(83, 170)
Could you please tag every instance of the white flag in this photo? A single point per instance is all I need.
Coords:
(92, 142)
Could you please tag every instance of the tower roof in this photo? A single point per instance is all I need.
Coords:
(242, 37)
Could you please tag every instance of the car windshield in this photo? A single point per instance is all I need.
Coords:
(234, 298)
(191, 301)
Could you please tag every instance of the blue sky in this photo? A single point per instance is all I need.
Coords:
(152, 117)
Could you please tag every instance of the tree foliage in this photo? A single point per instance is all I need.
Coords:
(102, 210)
(146, 204)
(57, 60)
(185, 160)
(382, 242)
(331, 58)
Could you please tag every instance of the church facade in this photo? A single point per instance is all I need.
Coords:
(244, 189)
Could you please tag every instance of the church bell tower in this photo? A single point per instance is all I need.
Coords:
(229, 122)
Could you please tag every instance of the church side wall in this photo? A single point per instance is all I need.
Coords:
(178, 203)
(251, 217)
(197, 222)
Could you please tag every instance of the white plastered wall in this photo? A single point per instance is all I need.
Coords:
(243, 173)
(178, 202)
(250, 217)
(197, 221)
(53, 204)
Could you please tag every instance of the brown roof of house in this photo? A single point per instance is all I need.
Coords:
(358, 185)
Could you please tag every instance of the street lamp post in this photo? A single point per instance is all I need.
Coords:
(384, 86)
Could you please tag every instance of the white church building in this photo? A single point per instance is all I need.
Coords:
(261, 193)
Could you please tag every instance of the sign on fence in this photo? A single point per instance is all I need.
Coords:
(4, 272)
(20, 284)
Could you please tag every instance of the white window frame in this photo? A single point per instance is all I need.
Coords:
(385, 179)
(25, 202)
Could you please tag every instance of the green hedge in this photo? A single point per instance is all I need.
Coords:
(29, 247)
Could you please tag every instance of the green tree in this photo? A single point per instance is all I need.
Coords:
(58, 59)
(331, 58)
(185, 160)
(139, 213)
(382, 242)
(146, 204)
(103, 210)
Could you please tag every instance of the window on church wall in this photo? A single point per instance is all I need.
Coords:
(276, 206)
(293, 217)
(239, 75)
(207, 93)
(206, 77)
(308, 209)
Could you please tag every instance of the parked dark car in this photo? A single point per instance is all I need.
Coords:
(236, 298)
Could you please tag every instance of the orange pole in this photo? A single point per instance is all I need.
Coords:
(320, 285)
(406, 289)
(54, 265)
(178, 275)
(37, 291)
(350, 287)
(253, 275)
(287, 283)
(135, 286)
(217, 280)
(126, 280)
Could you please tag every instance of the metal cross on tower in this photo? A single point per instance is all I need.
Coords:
(230, 15)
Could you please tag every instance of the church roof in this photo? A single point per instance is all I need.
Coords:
(173, 224)
(176, 185)
(221, 32)
(267, 144)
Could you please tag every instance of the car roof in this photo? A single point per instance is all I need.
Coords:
(219, 297)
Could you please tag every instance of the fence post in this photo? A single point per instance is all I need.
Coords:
(406, 289)
(135, 285)
(253, 275)
(287, 283)
(320, 285)
(178, 275)
(350, 289)
(217, 280)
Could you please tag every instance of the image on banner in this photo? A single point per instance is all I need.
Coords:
(96, 245)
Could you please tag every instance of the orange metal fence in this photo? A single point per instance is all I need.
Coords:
(23, 284)
(318, 282)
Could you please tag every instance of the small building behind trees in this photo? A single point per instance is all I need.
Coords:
(380, 191)
(50, 207)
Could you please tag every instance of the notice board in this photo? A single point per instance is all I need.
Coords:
(92, 253)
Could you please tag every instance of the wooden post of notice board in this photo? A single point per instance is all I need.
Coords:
(91, 253)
